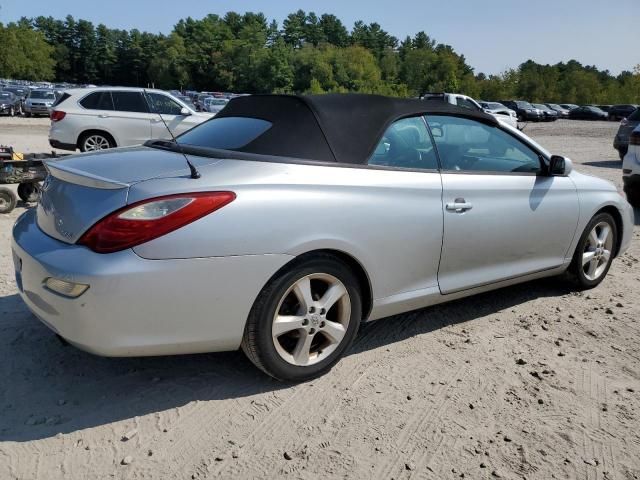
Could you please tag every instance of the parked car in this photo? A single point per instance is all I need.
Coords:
(588, 113)
(199, 99)
(495, 109)
(618, 112)
(463, 101)
(631, 168)
(39, 102)
(10, 104)
(270, 228)
(562, 112)
(549, 114)
(524, 110)
(187, 101)
(627, 125)
(101, 118)
(569, 106)
(214, 105)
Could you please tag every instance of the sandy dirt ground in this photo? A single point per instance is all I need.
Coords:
(534, 381)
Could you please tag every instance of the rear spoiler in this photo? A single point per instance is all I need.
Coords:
(79, 177)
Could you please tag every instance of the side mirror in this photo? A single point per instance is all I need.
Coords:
(185, 112)
(559, 166)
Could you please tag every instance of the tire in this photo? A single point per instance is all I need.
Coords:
(95, 141)
(633, 196)
(12, 112)
(284, 355)
(622, 153)
(583, 275)
(29, 192)
(27, 114)
(8, 200)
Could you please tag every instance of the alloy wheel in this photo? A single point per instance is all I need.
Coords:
(96, 142)
(597, 251)
(311, 319)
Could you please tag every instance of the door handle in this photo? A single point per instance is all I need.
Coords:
(459, 205)
(103, 116)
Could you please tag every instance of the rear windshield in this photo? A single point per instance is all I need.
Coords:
(228, 133)
(635, 116)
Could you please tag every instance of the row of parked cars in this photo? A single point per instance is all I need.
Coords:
(19, 100)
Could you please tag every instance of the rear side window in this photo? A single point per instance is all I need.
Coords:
(61, 99)
(96, 101)
(228, 133)
(406, 144)
(129, 102)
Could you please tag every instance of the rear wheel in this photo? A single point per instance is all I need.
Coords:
(594, 253)
(304, 319)
(8, 200)
(28, 192)
(95, 141)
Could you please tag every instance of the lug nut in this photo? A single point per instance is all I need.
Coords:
(312, 331)
(322, 324)
(312, 309)
(322, 311)
(305, 322)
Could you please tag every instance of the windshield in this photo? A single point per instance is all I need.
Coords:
(635, 116)
(540, 106)
(524, 105)
(6, 96)
(42, 95)
(496, 105)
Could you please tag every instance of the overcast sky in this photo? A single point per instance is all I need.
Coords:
(492, 34)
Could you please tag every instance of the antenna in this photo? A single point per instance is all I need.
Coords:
(194, 171)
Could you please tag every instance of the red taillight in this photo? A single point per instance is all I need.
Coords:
(57, 115)
(634, 138)
(143, 221)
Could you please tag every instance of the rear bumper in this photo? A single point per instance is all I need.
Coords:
(134, 306)
(62, 145)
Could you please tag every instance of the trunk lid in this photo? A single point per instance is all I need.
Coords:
(82, 189)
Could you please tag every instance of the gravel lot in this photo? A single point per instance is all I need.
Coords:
(533, 381)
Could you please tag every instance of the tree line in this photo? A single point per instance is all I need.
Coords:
(308, 53)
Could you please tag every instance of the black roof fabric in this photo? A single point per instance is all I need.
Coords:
(344, 128)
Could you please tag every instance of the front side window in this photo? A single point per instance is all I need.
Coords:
(466, 145)
(466, 103)
(164, 105)
(129, 102)
(406, 144)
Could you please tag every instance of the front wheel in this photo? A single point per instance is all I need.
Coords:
(594, 253)
(304, 319)
(8, 200)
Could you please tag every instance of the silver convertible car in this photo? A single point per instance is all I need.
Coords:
(285, 221)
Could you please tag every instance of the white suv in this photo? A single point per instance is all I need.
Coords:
(631, 169)
(99, 118)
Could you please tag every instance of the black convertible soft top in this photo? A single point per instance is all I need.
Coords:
(344, 128)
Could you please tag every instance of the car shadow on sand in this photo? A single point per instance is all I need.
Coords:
(49, 388)
(615, 164)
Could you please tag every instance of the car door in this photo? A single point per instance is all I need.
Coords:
(503, 216)
(404, 183)
(130, 120)
(167, 111)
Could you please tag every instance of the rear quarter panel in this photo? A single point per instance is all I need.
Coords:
(389, 221)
